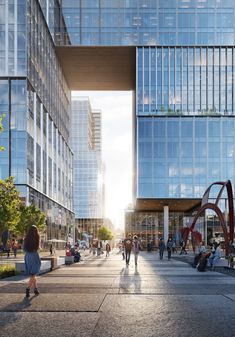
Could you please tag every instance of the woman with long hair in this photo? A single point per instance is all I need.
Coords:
(32, 259)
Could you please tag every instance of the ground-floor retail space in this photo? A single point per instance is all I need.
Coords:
(151, 226)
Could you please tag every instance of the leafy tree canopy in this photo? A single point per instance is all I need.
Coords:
(105, 233)
(30, 215)
(9, 204)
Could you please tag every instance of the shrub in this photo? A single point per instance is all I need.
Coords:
(7, 271)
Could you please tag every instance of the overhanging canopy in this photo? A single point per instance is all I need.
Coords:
(98, 68)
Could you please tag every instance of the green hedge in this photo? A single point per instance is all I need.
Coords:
(7, 271)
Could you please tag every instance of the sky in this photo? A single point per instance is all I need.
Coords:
(117, 149)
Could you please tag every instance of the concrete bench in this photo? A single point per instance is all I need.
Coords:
(56, 261)
(53, 261)
(45, 266)
(222, 262)
(60, 261)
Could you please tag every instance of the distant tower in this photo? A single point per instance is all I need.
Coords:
(87, 171)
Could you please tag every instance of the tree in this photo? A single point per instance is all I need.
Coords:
(9, 204)
(105, 233)
(30, 215)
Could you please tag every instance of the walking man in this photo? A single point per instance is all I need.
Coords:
(108, 249)
(169, 248)
(127, 243)
(136, 248)
(162, 247)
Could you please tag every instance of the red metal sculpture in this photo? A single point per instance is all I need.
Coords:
(214, 206)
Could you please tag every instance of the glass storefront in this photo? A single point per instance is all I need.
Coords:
(149, 226)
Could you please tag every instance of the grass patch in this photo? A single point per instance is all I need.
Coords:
(7, 271)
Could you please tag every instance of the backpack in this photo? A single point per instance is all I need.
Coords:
(169, 245)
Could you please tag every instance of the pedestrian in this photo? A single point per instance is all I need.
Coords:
(108, 249)
(127, 243)
(183, 247)
(136, 248)
(202, 248)
(51, 249)
(215, 254)
(232, 247)
(32, 259)
(8, 248)
(123, 251)
(94, 248)
(174, 247)
(99, 247)
(162, 247)
(14, 247)
(169, 246)
(200, 255)
(149, 246)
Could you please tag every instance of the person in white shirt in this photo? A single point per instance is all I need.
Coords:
(215, 255)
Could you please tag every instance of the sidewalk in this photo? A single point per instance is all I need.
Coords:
(101, 297)
(11, 260)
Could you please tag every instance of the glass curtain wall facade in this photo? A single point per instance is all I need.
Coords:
(87, 165)
(184, 84)
(178, 157)
(185, 101)
(142, 22)
(35, 136)
(186, 81)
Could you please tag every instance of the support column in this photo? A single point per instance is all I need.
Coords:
(166, 222)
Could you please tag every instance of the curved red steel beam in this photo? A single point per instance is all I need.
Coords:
(214, 206)
(228, 186)
(206, 195)
(231, 210)
(221, 218)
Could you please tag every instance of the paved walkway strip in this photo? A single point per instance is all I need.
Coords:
(101, 297)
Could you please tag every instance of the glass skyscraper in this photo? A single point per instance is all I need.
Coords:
(35, 98)
(87, 164)
(184, 78)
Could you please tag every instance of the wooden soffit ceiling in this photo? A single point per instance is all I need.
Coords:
(98, 68)
(175, 205)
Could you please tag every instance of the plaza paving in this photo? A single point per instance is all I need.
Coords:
(101, 297)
